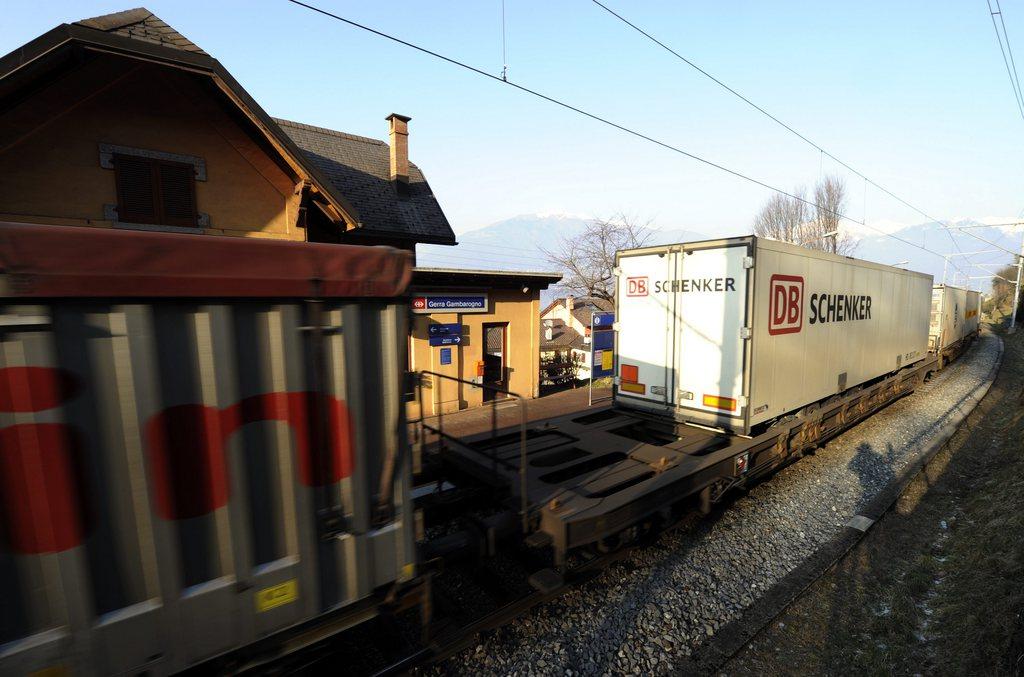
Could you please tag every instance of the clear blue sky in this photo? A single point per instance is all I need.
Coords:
(914, 94)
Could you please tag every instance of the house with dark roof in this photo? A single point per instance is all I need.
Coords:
(121, 121)
(565, 336)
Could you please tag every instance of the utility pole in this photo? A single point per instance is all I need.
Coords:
(1016, 289)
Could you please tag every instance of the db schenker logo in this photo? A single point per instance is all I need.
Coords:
(785, 304)
(636, 286)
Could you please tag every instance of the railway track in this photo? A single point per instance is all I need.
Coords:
(474, 599)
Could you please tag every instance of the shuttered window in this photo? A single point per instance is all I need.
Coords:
(155, 191)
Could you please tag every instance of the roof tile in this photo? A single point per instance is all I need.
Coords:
(141, 24)
(360, 169)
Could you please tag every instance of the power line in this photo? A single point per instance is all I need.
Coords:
(990, 225)
(498, 246)
(761, 110)
(443, 258)
(1014, 82)
(620, 127)
(462, 249)
(1009, 50)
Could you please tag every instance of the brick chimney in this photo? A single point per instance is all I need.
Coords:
(398, 132)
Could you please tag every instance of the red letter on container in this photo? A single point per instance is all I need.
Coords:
(636, 286)
(785, 299)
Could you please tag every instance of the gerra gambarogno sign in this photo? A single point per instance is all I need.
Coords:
(424, 304)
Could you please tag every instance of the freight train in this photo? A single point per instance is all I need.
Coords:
(732, 358)
(205, 459)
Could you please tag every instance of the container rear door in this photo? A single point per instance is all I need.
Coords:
(710, 286)
(935, 320)
(644, 339)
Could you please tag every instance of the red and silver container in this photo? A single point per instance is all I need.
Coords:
(201, 443)
(736, 333)
(955, 315)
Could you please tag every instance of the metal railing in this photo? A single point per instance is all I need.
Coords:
(442, 439)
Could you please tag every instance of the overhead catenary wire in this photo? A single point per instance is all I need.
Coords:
(462, 248)
(991, 225)
(734, 92)
(425, 257)
(1011, 70)
(611, 123)
(1009, 50)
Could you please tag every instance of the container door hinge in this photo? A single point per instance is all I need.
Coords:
(748, 262)
(615, 326)
(745, 332)
(616, 271)
(741, 400)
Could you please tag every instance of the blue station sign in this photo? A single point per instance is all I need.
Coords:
(450, 340)
(423, 304)
(454, 329)
(603, 320)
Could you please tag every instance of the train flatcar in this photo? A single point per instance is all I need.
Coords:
(199, 445)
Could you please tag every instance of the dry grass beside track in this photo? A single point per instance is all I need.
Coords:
(935, 587)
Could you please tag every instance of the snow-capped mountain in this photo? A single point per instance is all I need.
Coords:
(519, 243)
(996, 243)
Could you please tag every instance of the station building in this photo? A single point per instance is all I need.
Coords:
(481, 326)
(120, 121)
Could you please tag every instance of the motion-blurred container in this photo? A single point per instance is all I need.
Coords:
(201, 444)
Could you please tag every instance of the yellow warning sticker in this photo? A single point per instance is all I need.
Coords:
(607, 360)
(277, 595)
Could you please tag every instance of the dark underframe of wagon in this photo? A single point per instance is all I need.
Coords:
(593, 475)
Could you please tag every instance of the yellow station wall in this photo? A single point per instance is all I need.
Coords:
(521, 312)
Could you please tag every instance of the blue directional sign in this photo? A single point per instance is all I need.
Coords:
(445, 340)
(603, 320)
(444, 329)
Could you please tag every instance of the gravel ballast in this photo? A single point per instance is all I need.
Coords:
(649, 612)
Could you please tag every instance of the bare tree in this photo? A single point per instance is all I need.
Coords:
(587, 259)
(814, 225)
(782, 217)
(829, 203)
(1003, 288)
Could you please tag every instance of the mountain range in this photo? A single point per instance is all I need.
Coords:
(519, 243)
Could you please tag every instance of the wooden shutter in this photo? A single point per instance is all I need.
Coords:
(176, 183)
(155, 191)
(136, 197)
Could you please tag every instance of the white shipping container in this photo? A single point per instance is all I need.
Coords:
(738, 332)
(955, 314)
